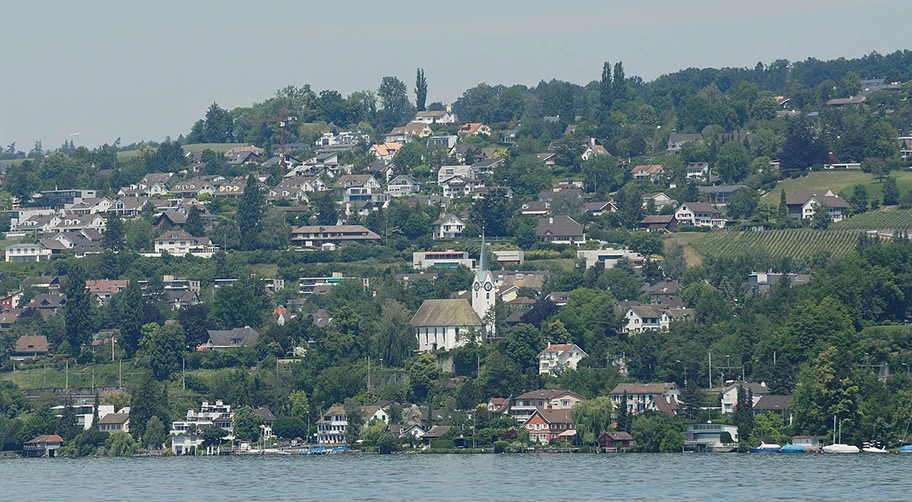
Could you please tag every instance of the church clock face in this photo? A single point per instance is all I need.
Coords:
(488, 286)
(477, 286)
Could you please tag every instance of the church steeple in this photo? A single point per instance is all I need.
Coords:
(483, 293)
(482, 260)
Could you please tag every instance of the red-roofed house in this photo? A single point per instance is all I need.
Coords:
(558, 357)
(105, 289)
(42, 446)
(29, 346)
(651, 172)
(546, 426)
(474, 129)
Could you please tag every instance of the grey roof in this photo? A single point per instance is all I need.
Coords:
(722, 189)
(561, 226)
(701, 207)
(643, 388)
(115, 418)
(773, 403)
(548, 394)
(446, 313)
(223, 338)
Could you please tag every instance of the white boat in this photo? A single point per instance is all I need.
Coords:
(874, 449)
(839, 447)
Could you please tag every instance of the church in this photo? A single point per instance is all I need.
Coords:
(446, 324)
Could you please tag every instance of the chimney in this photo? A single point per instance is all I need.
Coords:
(550, 220)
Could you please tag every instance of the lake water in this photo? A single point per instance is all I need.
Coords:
(463, 477)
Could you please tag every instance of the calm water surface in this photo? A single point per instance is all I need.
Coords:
(463, 477)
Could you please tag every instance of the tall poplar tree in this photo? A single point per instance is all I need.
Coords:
(131, 317)
(250, 211)
(605, 90)
(420, 90)
(619, 87)
(78, 311)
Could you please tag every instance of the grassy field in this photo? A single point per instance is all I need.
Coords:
(878, 220)
(839, 181)
(794, 243)
(39, 376)
(196, 147)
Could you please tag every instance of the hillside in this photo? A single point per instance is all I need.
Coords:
(839, 181)
(795, 243)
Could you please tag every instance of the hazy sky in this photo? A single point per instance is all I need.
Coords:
(130, 69)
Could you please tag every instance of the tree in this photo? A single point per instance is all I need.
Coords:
(420, 90)
(114, 233)
(606, 96)
(212, 436)
(619, 86)
(522, 343)
(890, 191)
(491, 212)
(602, 174)
(240, 304)
(79, 311)
(120, 444)
(743, 204)
(145, 402)
(387, 443)
(247, 424)
(733, 162)
(423, 375)
(743, 416)
(393, 95)
(194, 224)
(250, 212)
(591, 418)
(194, 321)
(821, 218)
(623, 417)
(655, 432)
(130, 315)
(155, 435)
(325, 208)
(219, 126)
(782, 213)
(859, 199)
(290, 427)
(802, 149)
(355, 420)
(674, 263)
(160, 347)
(67, 427)
(394, 339)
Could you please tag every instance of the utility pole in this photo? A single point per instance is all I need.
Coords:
(710, 372)
(66, 384)
(183, 370)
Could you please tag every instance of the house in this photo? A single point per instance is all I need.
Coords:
(810, 443)
(730, 394)
(560, 230)
(447, 141)
(593, 148)
(431, 117)
(62, 199)
(331, 426)
(560, 193)
(762, 282)
(334, 235)
(105, 289)
(194, 186)
(535, 208)
(115, 422)
(722, 193)
(447, 172)
(442, 259)
(436, 432)
(92, 205)
(448, 226)
(676, 140)
(342, 138)
(698, 171)
(409, 132)
(19, 253)
(647, 172)
(168, 220)
(385, 151)
(558, 357)
(547, 426)
(186, 434)
(180, 243)
(780, 405)
(659, 223)
(510, 135)
(615, 442)
(662, 292)
(231, 190)
(47, 305)
(359, 187)
(609, 257)
(42, 446)
(643, 397)
(802, 204)
(460, 185)
(487, 166)
(7, 319)
(474, 129)
(223, 339)
(599, 208)
(699, 214)
(444, 324)
(498, 405)
(29, 347)
(403, 185)
(524, 405)
(707, 437)
(640, 318)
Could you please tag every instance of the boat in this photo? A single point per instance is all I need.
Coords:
(906, 449)
(792, 448)
(839, 447)
(874, 449)
(767, 448)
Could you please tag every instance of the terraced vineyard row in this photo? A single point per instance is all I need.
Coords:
(878, 220)
(795, 243)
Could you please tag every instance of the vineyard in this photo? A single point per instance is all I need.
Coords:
(878, 220)
(794, 243)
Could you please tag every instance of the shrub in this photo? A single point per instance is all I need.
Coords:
(501, 446)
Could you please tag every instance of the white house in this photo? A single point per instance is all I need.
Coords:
(448, 226)
(440, 117)
(443, 259)
(179, 243)
(460, 185)
(524, 405)
(804, 203)
(647, 396)
(360, 187)
(187, 434)
(699, 214)
(558, 357)
(447, 172)
(640, 318)
(730, 394)
(609, 257)
(27, 253)
(403, 185)
(698, 171)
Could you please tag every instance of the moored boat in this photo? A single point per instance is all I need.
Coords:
(767, 448)
(792, 448)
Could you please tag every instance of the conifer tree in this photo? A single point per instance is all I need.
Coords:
(420, 90)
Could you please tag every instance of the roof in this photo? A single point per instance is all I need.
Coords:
(560, 348)
(265, 414)
(658, 218)
(756, 388)
(722, 189)
(643, 388)
(223, 337)
(616, 436)
(115, 418)
(554, 416)
(700, 207)
(668, 407)
(774, 403)
(29, 344)
(548, 394)
(802, 196)
(47, 438)
(437, 431)
(446, 313)
(559, 226)
(106, 286)
(650, 169)
(661, 288)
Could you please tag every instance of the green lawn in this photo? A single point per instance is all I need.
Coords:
(839, 181)
(54, 374)
(196, 147)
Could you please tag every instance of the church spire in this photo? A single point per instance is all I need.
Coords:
(482, 259)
